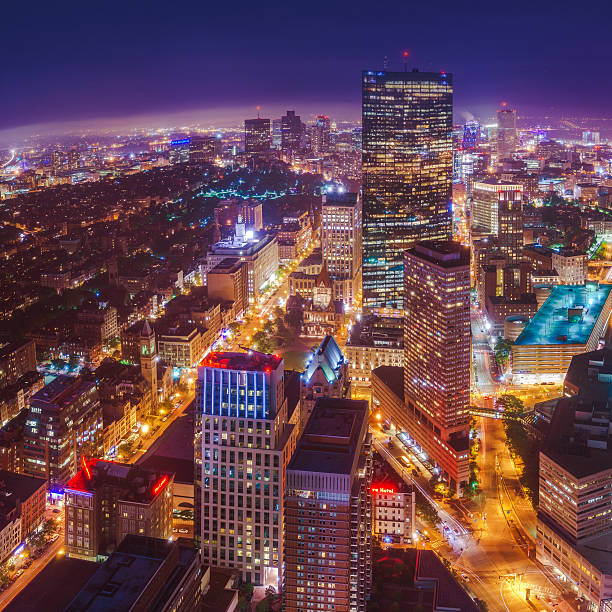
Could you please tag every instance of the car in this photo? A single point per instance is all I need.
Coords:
(19, 572)
(54, 537)
(56, 511)
(414, 472)
(465, 577)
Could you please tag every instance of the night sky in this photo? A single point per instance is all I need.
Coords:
(65, 61)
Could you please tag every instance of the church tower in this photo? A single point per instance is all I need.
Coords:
(148, 360)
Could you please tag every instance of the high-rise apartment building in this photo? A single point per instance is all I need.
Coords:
(64, 424)
(510, 225)
(243, 444)
(291, 131)
(202, 149)
(407, 176)
(507, 138)
(105, 501)
(320, 139)
(437, 354)
(486, 197)
(328, 511)
(257, 135)
(341, 243)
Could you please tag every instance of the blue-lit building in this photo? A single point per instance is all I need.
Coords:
(243, 444)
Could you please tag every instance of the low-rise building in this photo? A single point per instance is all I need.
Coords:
(393, 513)
(181, 346)
(25, 496)
(16, 360)
(145, 573)
(106, 501)
(373, 342)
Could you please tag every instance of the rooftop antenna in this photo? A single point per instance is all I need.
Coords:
(405, 56)
(258, 109)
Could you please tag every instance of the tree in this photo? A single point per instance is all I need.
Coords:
(510, 404)
(503, 350)
(426, 510)
(48, 527)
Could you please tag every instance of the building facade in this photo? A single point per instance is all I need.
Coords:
(437, 354)
(341, 243)
(243, 444)
(406, 193)
(257, 135)
(105, 501)
(328, 511)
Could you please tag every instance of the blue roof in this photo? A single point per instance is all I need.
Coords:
(329, 358)
(567, 316)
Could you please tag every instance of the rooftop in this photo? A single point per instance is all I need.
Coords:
(342, 199)
(62, 391)
(392, 377)
(329, 358)
(16, 487)
(131, 569)
(568, 315)
(250, 361)
(331, 439)
(443, 253)
(135, 483)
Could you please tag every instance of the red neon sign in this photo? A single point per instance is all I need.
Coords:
(85, 467)
(383, 489)
(160, 485)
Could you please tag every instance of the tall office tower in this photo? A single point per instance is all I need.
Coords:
(341, 243)
(148, 359)
(291, 131)
(407, 176)
(257, 135)
(64, 424)
(57, 162)
(507, 138)
(243, 444)
(437, 354)
(328, 511)
(74, 159)
(471, 135)
(277, 133)
(486, 198)
(202, 149)
(510, 220)
(321, 135)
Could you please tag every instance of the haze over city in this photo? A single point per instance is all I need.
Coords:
(306, 308)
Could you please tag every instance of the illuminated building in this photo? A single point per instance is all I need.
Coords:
(321, 135)
(507, 138)
(256, 135)
(341, 243)
(243, 444)
(407, 176)
(487, 196)
(291, 131)
(146, 573)
(64, 424)
(571, 266)
(294, 236)
(573, 320)
(74, 159)
(202, 149)
(97, 322)
(373, 342)
(57, 162)
(16, 360)
(181, 346)
(328, 511)
(228, 282)
(437, 355)
(105, 501)
(179, 151)
(259, 253)
(471, 135)
(227, 213)
(148, 359)
(393, 513)
(326, 375)
(573, 527)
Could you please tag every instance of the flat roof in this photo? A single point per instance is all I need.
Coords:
(331, 438)
(553, 323)
(71, 574)
(251, 361)
(62, 391)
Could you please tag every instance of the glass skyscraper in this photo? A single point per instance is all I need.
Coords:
(407, 176)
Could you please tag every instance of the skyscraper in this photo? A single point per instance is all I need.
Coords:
(506, 133)
(510, 221)
(437, 354)
(341, 242)
(407, 176)
(328, 511)
(321, 134)
(291, 131)
(257, 135)
(243, 444)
